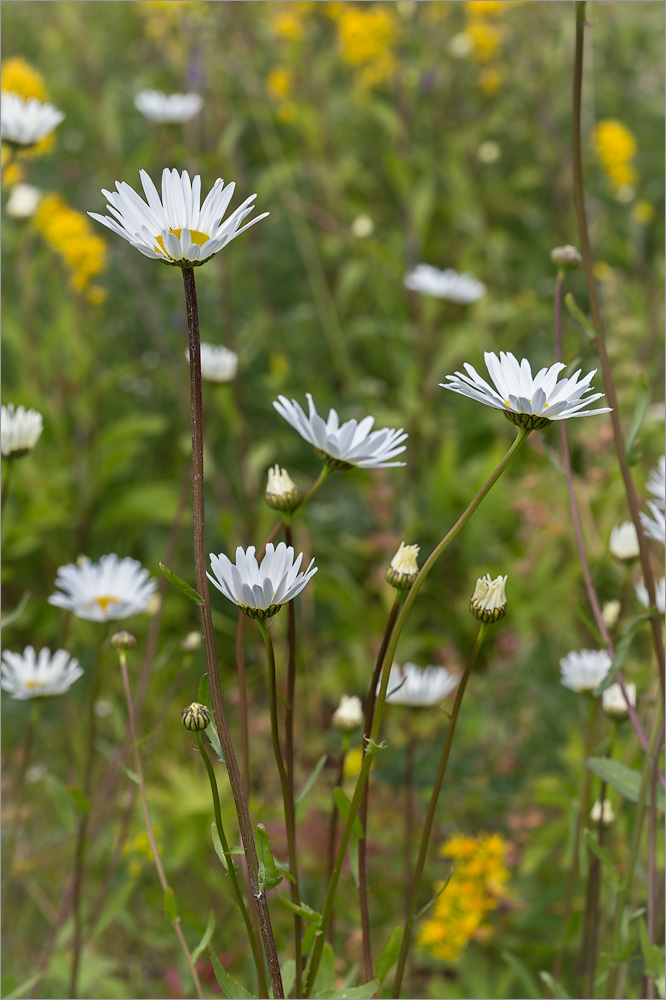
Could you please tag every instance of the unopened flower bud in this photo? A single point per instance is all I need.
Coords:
(123, 640)
(281, 491)
(604, 813)
(613, 701)
(624, 542)
(195, 717)
(566, 257)
(349, 713)
(488, 602)
(191, 642)
(403, 569)
(610, 613)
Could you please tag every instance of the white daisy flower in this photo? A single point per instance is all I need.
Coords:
(418, 687)
(527, 400)
(23, 201)
(343, 446)
(38, 675)
(641, 593)
(23, 122)
(19, 430)
(176, 228)
(349, 713)
(585, 670)
(159, 107)
(623, 542)
(446, 284)
(108, 590)
(260, 590)
(656, 484)
(218, 364)
(613, 703)
(488, 602)
(654, 526)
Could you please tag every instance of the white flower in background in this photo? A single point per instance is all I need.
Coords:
(260, 590)
(606, 811)
(446, 284)
(349, 713)
(38, 675)
(624, 541)
(461, 45)
(281, 490)
(641, 593)
(404, 568)
(107, 590)
(159, 107)
(353, 443)
(656, 485)
(25, 122)
(176, 228)
(613, 702)
(417, 687)
(23, 201)
(585, 670)
(489, 152)
(362, 227)
(527, 400)
(611, 613)
(488, 602)
(218, 364)
(192, 642)
(654, 526)
(19, 430)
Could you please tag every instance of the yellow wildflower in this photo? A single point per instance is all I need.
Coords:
(19, 77)
(602, 270)
(280, 82)
(486, 39)
(365, 38)
(486, 8)
(490, 80)
(70, 234)
(616, 148)
(10, 170)
(642, 213)
(288, 19)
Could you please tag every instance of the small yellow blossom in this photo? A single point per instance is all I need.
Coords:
(20, 78)
(366, 38)
(280, 82)
(490, 80)
(486, 8)
(616, 147)
(70, 234)
(642, 213)
(288, 19)
(602, 270)
(10, 170)
(354, 762)
(486, 39)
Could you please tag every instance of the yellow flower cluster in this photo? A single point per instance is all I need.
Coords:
(487, 36)
(138, 849)
(69, 233)
(366, 38)
(476, 887)
(288, 19)
(19, 77)
(616, 147)
(279, 86)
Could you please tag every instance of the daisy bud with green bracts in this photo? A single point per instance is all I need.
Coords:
(195, 717)
(281, 490)
(488, 602)
(349, 714)
(614, 703)
(403, 569)
(566, 258)
(123, 640)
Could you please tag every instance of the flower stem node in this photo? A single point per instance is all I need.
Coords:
(195, 717)
(403, 569)
(281, 491)
(488, 602)
(566, 258)
(123, 640)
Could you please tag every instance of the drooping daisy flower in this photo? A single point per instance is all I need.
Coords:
(26, 122)
(176, 228)
(107, 590)
(613, 701)
(446, 284)
(527, 400)
(38, 675)
(162, 108)
(417, 687)
(260, 590)
(585, 670)
(641, 593)
(218, 364)
(488, 602)
(19, 430)
(349, 713)
(343, 446)
(654, 526)
(23, 201)
(623, 542)
(656, 483)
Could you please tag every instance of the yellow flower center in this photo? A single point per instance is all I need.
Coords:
(104, 602)
(31, 685)
(197, 237)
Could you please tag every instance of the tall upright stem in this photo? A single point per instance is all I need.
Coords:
(9, 468)
(235, 780)
(430, 818)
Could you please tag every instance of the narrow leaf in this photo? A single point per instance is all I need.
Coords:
(554, 987)
(609, 870)
(351, 992)
(170, 906)
(181, 585)
(219, 850)
(269, 876)
(17, 612)
(523, 974)
(132, 775)
(434, 898)
(302, 909)
(640, 409)
(207, 935)
(80, 800)
(624, 779)
(311, 780)
(25, 987)
(344, 805)
(229, 986)
(389, 956)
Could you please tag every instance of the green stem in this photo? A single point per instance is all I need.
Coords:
(19, 787)
(372, 747)
(231, 869)
(319, 481)
(430, 818)
(333, 822)
(9, 468)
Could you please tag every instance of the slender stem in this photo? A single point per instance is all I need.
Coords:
(146, 817)
(319, 481)
(235, 780)
(651, 861)
(287, 798)
(430, 817)
(9, 468)
(333, 822)
(371, 743)
(242, 697)
(231, 869)
(19, 786)
(600, 340)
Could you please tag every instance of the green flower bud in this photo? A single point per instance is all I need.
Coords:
(195, 717)
(123, 640)
(567, 257)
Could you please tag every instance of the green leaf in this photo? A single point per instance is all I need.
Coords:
(554, 987)
(523, 974)
(132, 775)
(311, 780)
(351, 992)
(229, 986)
(640, 409)
(325, 979)
(219, 850)
(434, 898)
(203, 697)
(205, 939)
(609, 870)
(344, 805)
(288, 970)
(624, 779)
(577, 313)
(170, 905)
(80, 800)
(180, 585)
(269, 876)
(25, 987)
(390, 954)
(621, 652)
(302, 909)
(17, 612)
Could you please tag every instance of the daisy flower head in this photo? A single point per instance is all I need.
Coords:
(656, 484)
(176, 228)
(38, 675)
(343, 446)
(349, 713)
(623, 542)
(614, 703)
(488, 602)
(20, 430)
(417, 687)
(448, 284)
(24, 122)
(23, 201)
(660, 594)
(654, 526)
(260, 590)
(585, 670)
(531, 401)
(163, 108)
(218, 364)
(107, 590)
